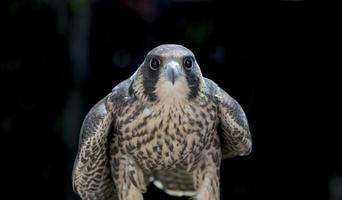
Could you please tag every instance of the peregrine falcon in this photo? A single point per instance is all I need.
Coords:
(166, 124)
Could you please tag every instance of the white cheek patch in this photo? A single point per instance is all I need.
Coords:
(167, 92)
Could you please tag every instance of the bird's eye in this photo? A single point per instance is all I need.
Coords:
(155, 63)
(188, 63)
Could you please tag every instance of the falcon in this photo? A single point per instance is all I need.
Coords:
(166, 124)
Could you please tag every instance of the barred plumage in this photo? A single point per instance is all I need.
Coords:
(166, 124)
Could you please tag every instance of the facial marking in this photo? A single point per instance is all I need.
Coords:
(172, 78)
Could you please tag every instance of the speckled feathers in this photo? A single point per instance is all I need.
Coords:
(166, 124)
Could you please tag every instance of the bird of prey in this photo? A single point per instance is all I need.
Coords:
(166, 124)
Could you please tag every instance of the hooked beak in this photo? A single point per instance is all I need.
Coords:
(172, 71)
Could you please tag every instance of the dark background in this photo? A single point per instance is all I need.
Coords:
(59, 57)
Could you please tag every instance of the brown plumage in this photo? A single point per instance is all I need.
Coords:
(166, 124)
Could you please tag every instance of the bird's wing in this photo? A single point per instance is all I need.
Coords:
(235, 136)
(91, 174)
(175, 182)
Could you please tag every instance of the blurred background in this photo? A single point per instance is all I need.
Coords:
(59, 57)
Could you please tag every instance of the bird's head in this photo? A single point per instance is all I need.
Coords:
(169, 72)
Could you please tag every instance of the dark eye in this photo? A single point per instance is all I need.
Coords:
(188, 62)
(155, 63)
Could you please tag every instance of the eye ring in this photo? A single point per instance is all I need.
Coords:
(154, 63)
(188, 63)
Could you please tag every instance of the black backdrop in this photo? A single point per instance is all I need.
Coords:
(58, 58)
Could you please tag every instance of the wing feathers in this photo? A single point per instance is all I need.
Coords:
(91, 174)
(236, 137)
